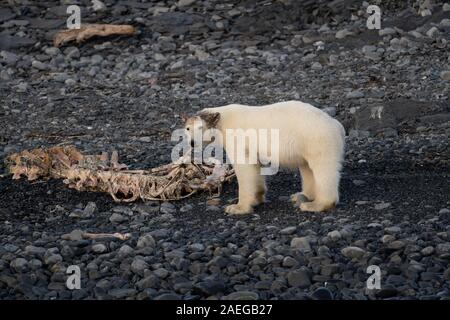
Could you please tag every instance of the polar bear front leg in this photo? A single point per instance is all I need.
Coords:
(251, 189)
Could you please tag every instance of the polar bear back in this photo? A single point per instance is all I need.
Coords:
(305, 132)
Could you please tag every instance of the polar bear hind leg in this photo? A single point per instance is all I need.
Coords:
(326, 182)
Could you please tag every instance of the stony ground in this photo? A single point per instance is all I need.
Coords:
(390, 88)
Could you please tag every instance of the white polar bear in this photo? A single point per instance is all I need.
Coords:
(309, 139)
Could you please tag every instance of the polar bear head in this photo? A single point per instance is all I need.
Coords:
(196, 127)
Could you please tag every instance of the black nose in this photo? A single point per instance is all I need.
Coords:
(192, 143)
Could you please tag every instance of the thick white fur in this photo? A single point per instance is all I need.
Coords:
(310, 140)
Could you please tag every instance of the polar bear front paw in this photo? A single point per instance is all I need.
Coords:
(236, 209)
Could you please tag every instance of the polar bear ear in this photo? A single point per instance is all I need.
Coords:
(210, 118)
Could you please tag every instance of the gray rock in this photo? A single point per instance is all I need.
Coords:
(89, 210)
(75, 235)
(19, 265)
(288, 230)
(387, 31)
(353, 252)
(334, 235)
(185, 3)
(443, 248)
(168, 296)
(138, 266)
(242, 295)
(161, 273)
(167, 207)
(125, 251)
(302, 244)
(52, 259)
(382, 205)
(396, 245)
(35, 251)
(427, 251)
(122, 293)
(355, 94)
(8, 57)
(146, 241)
(39, 65)
(299, 278)
(117, 218)
(433, 32)
(393, 230)
(99, 248)
(445, 75)
(341, 34)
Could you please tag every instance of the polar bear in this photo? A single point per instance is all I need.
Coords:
(309, 140)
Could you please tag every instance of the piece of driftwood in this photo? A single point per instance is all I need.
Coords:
(87, 31)
(102, 173)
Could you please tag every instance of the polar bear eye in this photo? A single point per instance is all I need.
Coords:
(188, 128)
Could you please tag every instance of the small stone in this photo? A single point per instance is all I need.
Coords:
(242, 295)
(52, 259)
(161, 273)
(125, 251)
(289, 262)
(89, 210)
(299, 278)
(359, 183)
(75, 235)
(288, 230)
(387, 31)
(443, 248)
(334, 235)
(209, 288)
(445, 75)
(382, 205)
(387, 238)
(185, 3)
(146, 241)
(301, 244)
(19, 265)
(167, 207)
(316, 66)
(355, 94)
(138, 266)
(393, 230)
(186, 208)
(35, 251)
(375, 225)
(39, 65)
(201, 55)
(330, 110)
(396, 245)
(341, 34)
(427, 251)
(446, 7)
(99, 248)
(445, 23)
(432, 32)
(353, 252)
(168, 296)
(122, 293)
(117, 218)
(197, 247)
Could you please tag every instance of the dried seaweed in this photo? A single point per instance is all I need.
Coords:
(87, 31)
(102, 173)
